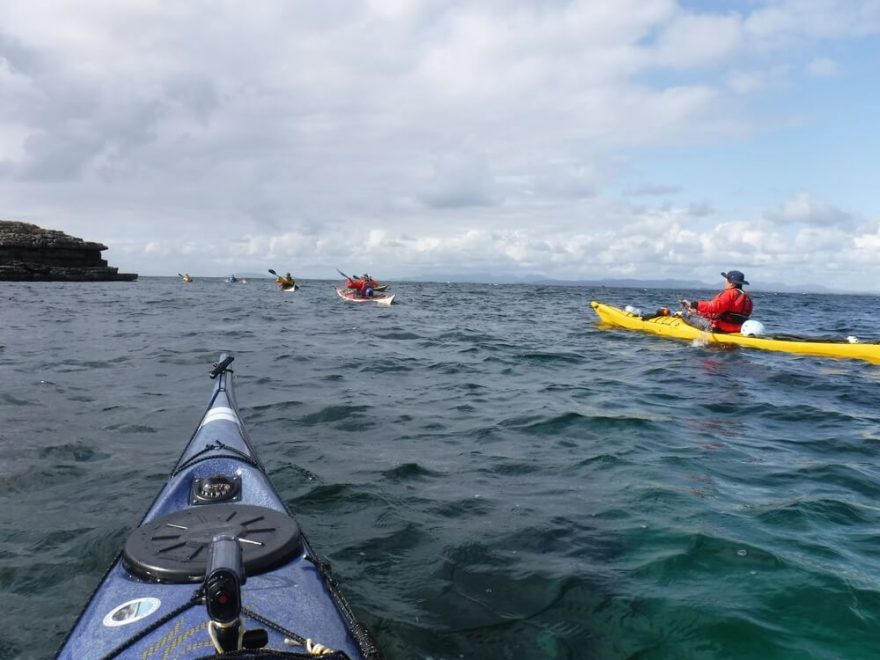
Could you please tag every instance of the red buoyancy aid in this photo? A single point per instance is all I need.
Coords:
(360, 284)
(727, 311)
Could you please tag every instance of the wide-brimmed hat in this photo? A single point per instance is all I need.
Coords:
(735, 277)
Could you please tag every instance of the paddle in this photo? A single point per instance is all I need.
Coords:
(661, 311)
(220, 367)
(693, 318)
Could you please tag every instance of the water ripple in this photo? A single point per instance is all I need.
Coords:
(490, 472)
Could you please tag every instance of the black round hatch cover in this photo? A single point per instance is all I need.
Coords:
(174, 548)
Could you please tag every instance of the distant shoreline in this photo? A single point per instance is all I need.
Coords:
(681, 285)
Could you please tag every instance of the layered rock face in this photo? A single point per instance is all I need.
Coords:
(29, 253)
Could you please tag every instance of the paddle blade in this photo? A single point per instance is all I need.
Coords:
(273, 272)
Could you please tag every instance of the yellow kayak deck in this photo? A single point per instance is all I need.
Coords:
(675, 327)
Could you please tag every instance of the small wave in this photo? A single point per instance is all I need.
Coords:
(12, 400)
(338, 494)
(679, 555)
(542, 425)
(131, 428)
(333, 414)
(399, 335)
(76, 452)
(466, 507)
(539, 358)
(511, 468)
(850, 478)
(408, 472)
(805, 513)
(35, 478)
(387, 367)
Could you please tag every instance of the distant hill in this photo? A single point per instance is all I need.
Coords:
(622, 283)
(633, 283)
(692, 284)
(253, 276)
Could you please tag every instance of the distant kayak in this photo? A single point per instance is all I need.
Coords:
(676, 327)
(373, 284)
(218, 564)
(353, 296)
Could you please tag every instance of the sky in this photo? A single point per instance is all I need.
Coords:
(566, 139)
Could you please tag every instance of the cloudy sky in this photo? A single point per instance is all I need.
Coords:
(571, 139)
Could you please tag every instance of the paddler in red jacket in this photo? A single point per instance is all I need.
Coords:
(727, 311)
(363, 285)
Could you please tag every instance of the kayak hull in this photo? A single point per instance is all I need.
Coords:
(378, 298)
(675, 327)
(147, 605)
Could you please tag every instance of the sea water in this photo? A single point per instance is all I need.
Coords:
(490, 472)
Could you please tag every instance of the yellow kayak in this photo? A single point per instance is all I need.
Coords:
(674, 326)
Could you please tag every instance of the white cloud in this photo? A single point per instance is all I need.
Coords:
(803, 208)
(754, 81)
(640, 242)
(698, 40)
(653, 190)
(822, 67)
(813, 240)
(459, 180)
(781, 22)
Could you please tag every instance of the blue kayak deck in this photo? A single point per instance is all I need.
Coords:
(139, 610)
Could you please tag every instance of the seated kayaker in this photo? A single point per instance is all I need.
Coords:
(357, 284)
(285, 282)
(364, 286)
(370, 285)
(727, 311)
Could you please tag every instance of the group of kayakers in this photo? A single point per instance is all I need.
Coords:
(726, 312)
(363, 286)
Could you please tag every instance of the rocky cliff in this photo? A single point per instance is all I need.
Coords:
(29, 253)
